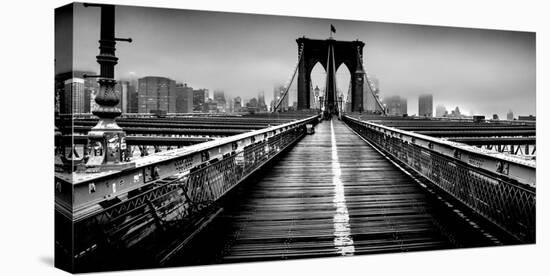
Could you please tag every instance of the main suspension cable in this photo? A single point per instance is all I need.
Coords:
(287, 88)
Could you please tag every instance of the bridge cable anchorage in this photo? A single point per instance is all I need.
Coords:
(369, 84)
(293, 76)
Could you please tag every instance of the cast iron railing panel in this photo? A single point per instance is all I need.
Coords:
(504, 195)
(168, 203)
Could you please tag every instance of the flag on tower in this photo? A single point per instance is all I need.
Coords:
(332, 29)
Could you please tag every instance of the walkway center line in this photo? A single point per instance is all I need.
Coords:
(343, 241)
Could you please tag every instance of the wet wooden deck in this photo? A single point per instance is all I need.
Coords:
(331, 195)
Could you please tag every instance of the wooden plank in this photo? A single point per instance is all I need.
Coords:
(293, 211)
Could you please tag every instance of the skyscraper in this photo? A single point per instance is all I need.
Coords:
(425, 105)
(229, 104)
(156, 94)
(184, 98)
(219, 96)
(199, 99)
(132, 106)
(396, 105)
(237, 105)
(132, 98)
(219, 99)
(90, 89)
(262, 107)
(121, 89)
(74, 100)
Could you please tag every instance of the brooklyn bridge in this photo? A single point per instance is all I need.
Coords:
(189, 189)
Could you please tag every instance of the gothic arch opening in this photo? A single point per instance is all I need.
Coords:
(318, 77)
(343, 78)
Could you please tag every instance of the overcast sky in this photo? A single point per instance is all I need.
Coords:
(481, 71)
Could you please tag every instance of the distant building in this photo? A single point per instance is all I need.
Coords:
(237, 104)
(126, 90)
(316, 95)
(440, 111)
(510, 115)
(229, 105)
(219, 96)
(252, 103)
(132, 98)
(425, 105)
(278, 92)
(262, 107)
(527, 118)
(210, 106)
(312, 99)
(122, 90)
(156, 94)
(184, 98)
(74, 99)
(219, 99)
(199, 99)
(478, 118)
(90, 89)
(456, 112)
(396, 105)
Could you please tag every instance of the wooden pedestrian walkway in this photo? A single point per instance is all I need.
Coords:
(331, 194)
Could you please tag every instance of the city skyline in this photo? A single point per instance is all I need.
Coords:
(481, 71)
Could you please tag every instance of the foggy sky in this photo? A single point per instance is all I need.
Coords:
(481, 71)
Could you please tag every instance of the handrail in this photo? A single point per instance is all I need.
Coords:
(174, 191)
(498, 187)
(77, 187)
(521, 170)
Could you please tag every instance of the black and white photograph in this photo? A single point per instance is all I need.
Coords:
(186, 137)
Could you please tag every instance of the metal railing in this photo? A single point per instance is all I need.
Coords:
(174, 197)
(500, 188)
